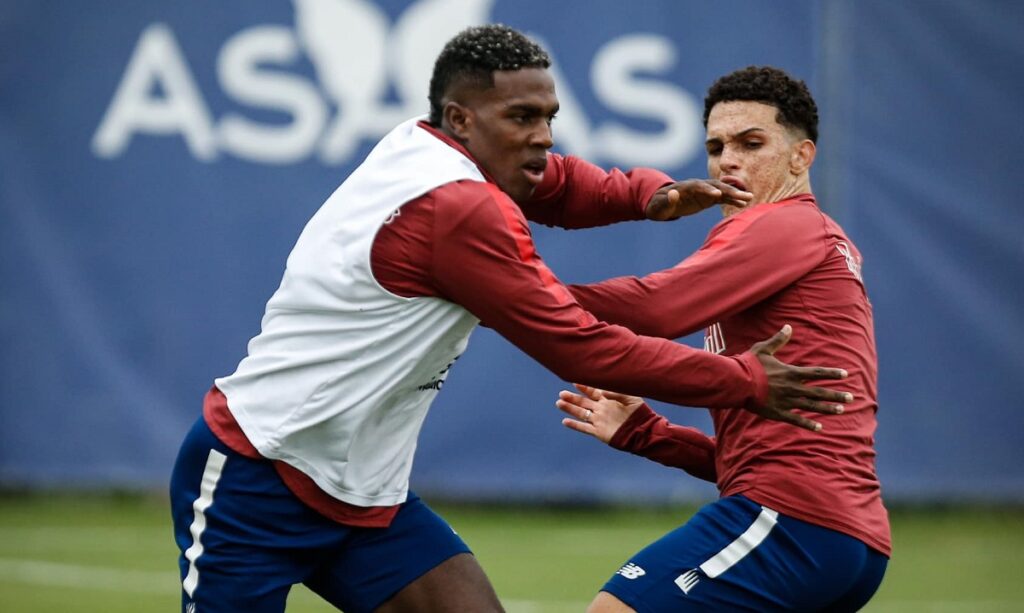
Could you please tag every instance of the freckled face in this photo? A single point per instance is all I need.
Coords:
(749, 149)
(507, 128)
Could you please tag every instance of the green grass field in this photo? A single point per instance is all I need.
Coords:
(115, 554)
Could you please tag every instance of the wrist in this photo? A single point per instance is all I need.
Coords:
(622, 439)
(759, 380)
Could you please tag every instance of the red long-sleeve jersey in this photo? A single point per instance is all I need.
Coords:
(769, 265)
(467, 242)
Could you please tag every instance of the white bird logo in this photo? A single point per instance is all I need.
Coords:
(356, 56)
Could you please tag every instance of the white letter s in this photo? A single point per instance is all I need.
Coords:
(613, 77)
(240, 76)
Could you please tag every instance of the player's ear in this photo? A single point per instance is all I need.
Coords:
(457, 119)
(802, 156)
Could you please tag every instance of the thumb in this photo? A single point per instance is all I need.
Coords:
(616, 396)
(590, 392)
(673, 197)
(776, 342)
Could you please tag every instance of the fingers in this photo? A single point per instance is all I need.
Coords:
(577, 406)
(580, 426)
(818, 406)
(731, 194)
(798, 420)
(813, 373)
(775, 343)
(590, 392)
(572, 407)
(820, 393)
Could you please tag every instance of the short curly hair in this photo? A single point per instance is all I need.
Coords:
(474, 54)
(768, 85)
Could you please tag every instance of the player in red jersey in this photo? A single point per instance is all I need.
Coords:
(800, 524)
(299, 469)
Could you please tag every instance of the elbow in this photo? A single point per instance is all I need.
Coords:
(659, 327)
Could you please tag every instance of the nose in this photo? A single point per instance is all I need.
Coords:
(728, 161)
(542, 136)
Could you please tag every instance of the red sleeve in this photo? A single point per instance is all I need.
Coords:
(650, 435)
(745, 259)
(484, 260)
(578, 194)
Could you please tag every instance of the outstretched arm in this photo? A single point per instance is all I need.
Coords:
(578, 194)
(468, 243)
(628, 424)
(693, 196)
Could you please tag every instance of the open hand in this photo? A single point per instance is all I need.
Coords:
(693, 196)
(596, 412)
(786, 389)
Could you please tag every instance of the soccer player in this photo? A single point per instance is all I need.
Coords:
(298, 470)
(800, 525)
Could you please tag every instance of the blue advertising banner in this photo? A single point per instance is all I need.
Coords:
(158, 161)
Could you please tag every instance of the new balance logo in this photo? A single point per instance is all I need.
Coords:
(631, 571)
(687, 580)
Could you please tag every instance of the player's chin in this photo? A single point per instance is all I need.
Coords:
(731, 209)
(519, 191)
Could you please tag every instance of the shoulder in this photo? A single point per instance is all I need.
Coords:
(473, 202)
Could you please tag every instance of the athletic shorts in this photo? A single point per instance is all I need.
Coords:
(736, 555)
(246, 539)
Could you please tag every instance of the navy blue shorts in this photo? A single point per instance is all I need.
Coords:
(735, 555)
(246, 539)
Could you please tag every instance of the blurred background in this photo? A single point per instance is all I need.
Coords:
(158, 161)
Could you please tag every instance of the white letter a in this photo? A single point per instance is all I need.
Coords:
(157, 59)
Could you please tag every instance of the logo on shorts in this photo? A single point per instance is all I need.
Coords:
(191, 608)
(631, 571)
(687, 580)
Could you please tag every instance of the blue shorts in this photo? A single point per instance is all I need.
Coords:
(735, 555)
(246, 539)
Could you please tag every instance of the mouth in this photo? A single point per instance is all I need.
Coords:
(734, 181)
(534, 170)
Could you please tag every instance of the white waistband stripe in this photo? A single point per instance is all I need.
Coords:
(211, 475)
(744, 544)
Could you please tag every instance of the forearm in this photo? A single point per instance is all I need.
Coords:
(650, 435)
(578, 194)
(612, 357)
(487, 265)
(645, 306)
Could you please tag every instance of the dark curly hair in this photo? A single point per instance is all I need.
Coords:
(771, 86)
(474, 54)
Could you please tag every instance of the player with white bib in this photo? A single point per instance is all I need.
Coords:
(298, 471)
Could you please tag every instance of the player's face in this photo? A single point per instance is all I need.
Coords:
(749, 149)
(507, 128)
